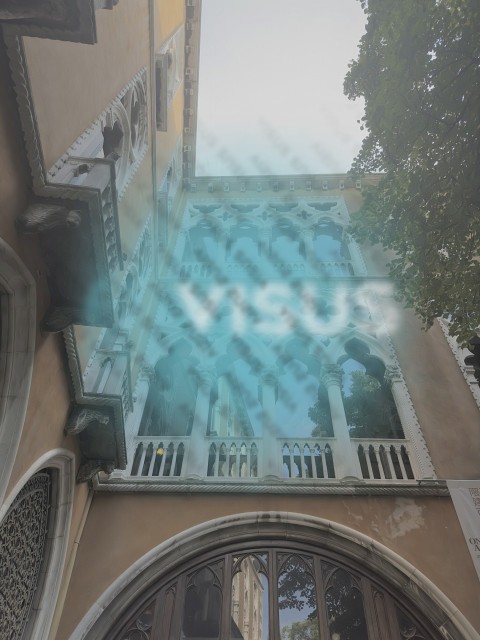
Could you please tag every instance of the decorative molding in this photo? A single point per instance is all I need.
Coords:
(190, 88)
(169, 67)
(272, 486)
(407, 414)
(460, 354)
(90, 142)
(23, 91)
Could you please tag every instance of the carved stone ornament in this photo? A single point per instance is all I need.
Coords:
(332, 375)
(23, 535)
(90, 468)
(81, 418)
(392, 374)
(41, 216)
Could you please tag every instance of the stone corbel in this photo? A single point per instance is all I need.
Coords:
(40, 216)
(81, 418)
(90, 468)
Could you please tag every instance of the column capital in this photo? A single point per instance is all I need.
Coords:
(392, 374)
(331, 375)
(206, 377)
(269, 376)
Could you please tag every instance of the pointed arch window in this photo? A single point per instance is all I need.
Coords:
(369, 404)
(270, 591)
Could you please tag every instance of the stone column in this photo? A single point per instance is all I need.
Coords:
(197, 461)
(271, 453)
(221, 412)
(177, 254)
(222, 238)
(344, 459)
(134, 418)
(264, 241)
(420, 458)
(310, 258)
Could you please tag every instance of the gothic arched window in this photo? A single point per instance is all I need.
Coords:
(271, 591)
(369, 404)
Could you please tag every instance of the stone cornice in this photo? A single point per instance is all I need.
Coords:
(272, 487)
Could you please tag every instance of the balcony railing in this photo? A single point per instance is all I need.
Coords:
(312, 458)
(384, 459)
(233, 458)
(158, 457)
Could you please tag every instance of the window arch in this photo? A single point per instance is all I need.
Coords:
(369, 404)
(34, 531)
(24, 552)
(298, 562)
(17, 346)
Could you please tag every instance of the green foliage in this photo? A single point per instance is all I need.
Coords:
(370, 409)
(320, 415)
(306, 630)
(418, 70)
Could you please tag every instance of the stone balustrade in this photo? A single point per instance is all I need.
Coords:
(233, 458)
(384, 459)
(310, 458)
(237, 458)
(158, 456)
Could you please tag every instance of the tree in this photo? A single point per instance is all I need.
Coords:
(306, 630)
(418, 69)
(370, 409)
(320, 414)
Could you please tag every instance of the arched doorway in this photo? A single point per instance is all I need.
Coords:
(17, 346)
(273, 576)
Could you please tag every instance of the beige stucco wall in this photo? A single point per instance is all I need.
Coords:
(445, 407)
(424, 531)
(49, 401)
(73, 83)
(168, 17)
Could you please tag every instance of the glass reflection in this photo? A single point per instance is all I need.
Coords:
(297, 601)
(408, 629)
(346, 616)
(249, 608)
(202, 610)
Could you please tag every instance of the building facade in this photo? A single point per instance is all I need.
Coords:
(216, 421)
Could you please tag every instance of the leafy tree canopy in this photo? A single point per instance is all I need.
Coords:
(418, 69)
(370, 409)
(306, 630)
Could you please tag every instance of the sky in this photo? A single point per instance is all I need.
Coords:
(271, 87)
